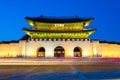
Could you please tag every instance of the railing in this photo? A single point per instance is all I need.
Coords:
(46, 39)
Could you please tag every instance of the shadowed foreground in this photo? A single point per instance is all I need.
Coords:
(60, 72)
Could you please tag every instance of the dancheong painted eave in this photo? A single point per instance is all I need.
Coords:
(58, 20)
(62, 34)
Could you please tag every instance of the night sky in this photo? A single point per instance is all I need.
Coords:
(106, 14)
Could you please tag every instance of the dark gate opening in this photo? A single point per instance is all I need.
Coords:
(41, 52)
(77, 52)
(59, 52)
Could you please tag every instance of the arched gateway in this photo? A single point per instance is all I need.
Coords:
(41, 52)
(77, 52)
(59, 52)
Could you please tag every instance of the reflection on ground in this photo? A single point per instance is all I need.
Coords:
(88, 72)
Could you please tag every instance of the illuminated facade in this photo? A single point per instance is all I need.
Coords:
(58, 37)
(58, 28)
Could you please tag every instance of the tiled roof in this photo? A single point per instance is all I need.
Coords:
(58, 19)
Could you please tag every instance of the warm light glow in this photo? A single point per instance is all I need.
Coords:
(68, 41)
(109, 50)
(87, 52)
(87, 23)
(58, 26)
(31, 53)
(30, 22)
(80, 34)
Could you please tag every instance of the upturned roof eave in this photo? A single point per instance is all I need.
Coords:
(58, 20)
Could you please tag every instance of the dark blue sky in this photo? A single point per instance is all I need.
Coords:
(105, 12)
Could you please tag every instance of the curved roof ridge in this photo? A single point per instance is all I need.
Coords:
(59, 17)
(51, 19)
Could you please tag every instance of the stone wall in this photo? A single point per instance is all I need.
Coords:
(33, 45)
(109, 49)
(9, 49)
(30, 47)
